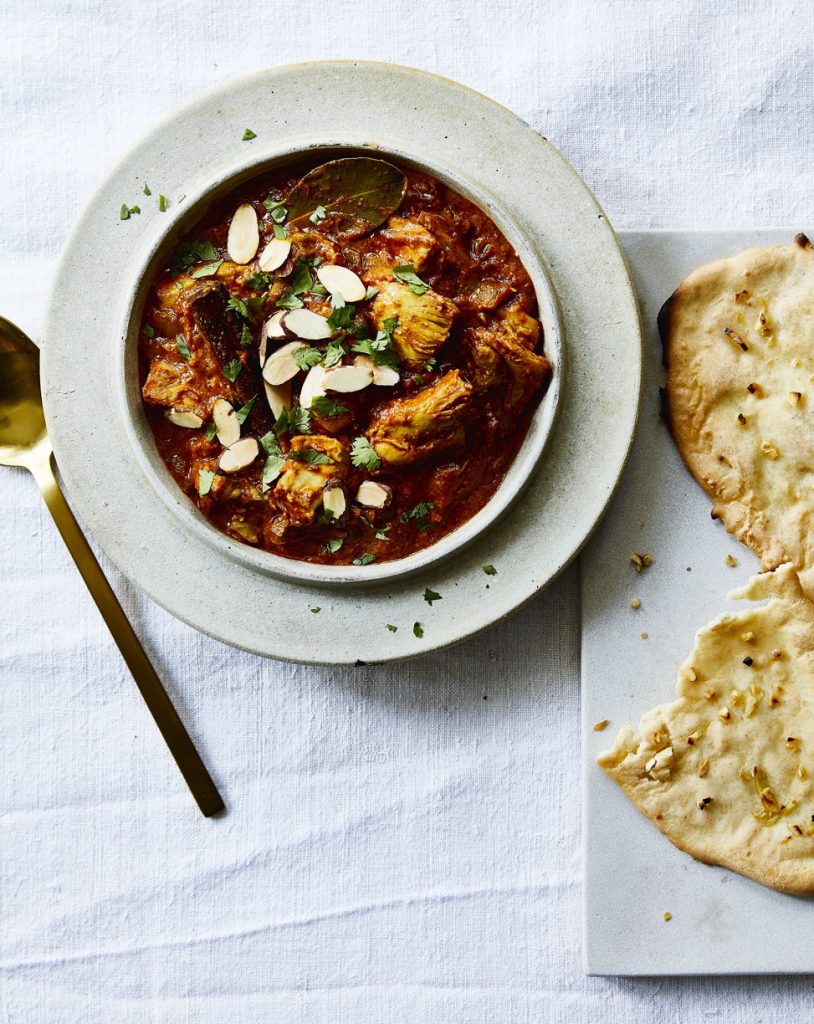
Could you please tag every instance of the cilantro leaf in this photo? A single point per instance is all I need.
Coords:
(371, 291)
(334, 544)
(205, 478)
(316, 609)
(242, 413)
(211, 430)
(207, 270)
(392, 628)
(363, 455)
(163, 203)
(334, 354)
(146, 189)
(271, 444)
(259, 282)
(311, 456)
(239, 306)
(288, 300)
(417, 515)
(148, 331)
(365, 559)
(418, 629)
(490, 570)
(246, 338)
(187, 254)
(298, 420)
(341, 317)
(279, 231)
(301, 279)
(431, 595)
(307, 357)
(327, 407)
(181, 345)
(271, 470)
(407, 275)
(318, 215)
(232, 370)
(247, 135)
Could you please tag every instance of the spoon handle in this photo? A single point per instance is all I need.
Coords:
(152, 690)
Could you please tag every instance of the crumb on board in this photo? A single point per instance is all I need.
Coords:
(601, 725)
(635, 603)
(667, 915)
(641, 561)
(731, 561)
(644, 636)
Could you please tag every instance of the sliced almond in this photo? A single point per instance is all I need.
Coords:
(275, 254)
(239, 455)
(190, 420)
(304, 323)
(374, 495)
(384, 376)
(348, 378)
(342, 281)
(280, 366)
(244, 234)
(278, 398)
(227, 427)
(335, 500)
(313, 385)
(272, 328)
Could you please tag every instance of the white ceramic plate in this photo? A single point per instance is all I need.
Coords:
(481, 143)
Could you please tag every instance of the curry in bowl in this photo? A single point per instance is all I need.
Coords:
(342, 361)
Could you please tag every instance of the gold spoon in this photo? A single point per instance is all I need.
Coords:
(24, 442)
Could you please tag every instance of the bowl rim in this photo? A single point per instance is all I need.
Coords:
(141, 270)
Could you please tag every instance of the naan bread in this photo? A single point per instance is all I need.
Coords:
(738, 339)
(724, 770)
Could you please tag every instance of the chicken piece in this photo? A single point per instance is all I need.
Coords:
(405, 241)
(206, 308)
(299, 489)
(501, 358)
(171, 385)
(410, 429)
(424, 321)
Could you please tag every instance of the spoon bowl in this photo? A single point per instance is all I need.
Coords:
(22, 422)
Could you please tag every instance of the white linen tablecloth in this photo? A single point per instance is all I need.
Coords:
(402, 844)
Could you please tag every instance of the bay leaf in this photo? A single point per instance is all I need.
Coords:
(357, 193)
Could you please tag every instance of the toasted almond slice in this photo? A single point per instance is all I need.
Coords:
(335, 500)
(275, 254)
(272, 328)
(280, 366)
(278, 398)
(342, 281)
(304, 323)
(244, 234)
(225, 420)
(372, 494)
(313, 385)
(384, 376)
(239, 455)
(347, 378)
(190, 420)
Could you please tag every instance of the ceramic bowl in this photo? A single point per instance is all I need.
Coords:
(146, 262)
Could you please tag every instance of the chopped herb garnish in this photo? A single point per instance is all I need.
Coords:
(430, 365)
(148, 331)
(187, 254)
(371, 291)
(276, 209)
(326, 407)
(246, 338)
(365, 559)
(259, 282)
(232, 370)
(311, 456)
(271, 470)
(325, 517)
(341, 317)
(319, 289)
(301, 279)
(163, 203)
(392, 628)
(298, 420)
(205, 478)
(127, 211)
(418, 629)
(271, 444)
(211, 430)
(379, 348)
(146, 189)
(247, 135)
(490, 570)
(318, 215)
(417, 515)
(288, 300)
(315, 610)
(407, 275)
(207, 270)
(363, 455)
(307, 357)
(181, 345)
(334, 544)
(334, 353)
(239, 306)
(279, 231)
(242, 413)
(432, 595)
